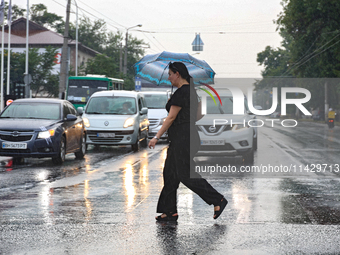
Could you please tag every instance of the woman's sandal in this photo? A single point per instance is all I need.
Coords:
(169, 217)
(222, 205)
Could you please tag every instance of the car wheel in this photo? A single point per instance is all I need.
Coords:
(62, 152)
(135, 147)
(249, 157)
(255, 144)
(81, 153)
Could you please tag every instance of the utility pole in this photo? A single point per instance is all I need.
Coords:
(126, 47)
(76, 38)
(125, 52)
(64, 54)
(120, 58)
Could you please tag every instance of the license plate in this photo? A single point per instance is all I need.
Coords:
(212, 142)
(20, 146)
(106, 135)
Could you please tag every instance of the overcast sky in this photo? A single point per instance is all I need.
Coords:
(233, 31)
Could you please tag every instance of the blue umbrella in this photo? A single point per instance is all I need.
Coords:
(154, 68)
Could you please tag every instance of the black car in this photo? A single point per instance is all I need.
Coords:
(41, 127)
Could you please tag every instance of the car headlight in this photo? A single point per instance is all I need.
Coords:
(129, 123)
(86, 122)
(46, 134)
(162, 121)
(238, 127)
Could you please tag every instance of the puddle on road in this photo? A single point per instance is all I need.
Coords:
(311, 203)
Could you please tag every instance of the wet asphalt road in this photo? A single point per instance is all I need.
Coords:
(105, 204)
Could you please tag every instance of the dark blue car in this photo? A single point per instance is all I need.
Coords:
(41, 128)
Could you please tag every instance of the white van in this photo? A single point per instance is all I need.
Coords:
(156, 101)
(116, 117)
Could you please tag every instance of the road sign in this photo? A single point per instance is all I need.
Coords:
(197, 44)
(138, 84)
(27, 78)
(9, 101)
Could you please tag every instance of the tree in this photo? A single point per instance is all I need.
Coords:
(95, 35)
(41, 16)
(103, 65)
(40, 67)
(16, 11)
(314, 30)
(310, 47)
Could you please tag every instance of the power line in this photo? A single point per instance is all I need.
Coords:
(83, 10)
(224, 25)
(308, 57)
(318, 53)
(152, 42)
(103, 15)
(214, 32)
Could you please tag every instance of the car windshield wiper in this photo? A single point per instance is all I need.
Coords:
(94, 112)
(27, 118)
(111, 113)
(220, 109)
(41, 118)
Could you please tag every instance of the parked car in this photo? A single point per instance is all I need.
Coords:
(231, 135)
(156, 101)
(40, 128)
(117, 117)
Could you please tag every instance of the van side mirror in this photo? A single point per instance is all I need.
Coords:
(80, 110)
(143, 111)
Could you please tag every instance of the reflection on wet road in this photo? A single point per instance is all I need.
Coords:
(107, 206)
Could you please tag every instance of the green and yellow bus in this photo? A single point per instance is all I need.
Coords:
(80, 88)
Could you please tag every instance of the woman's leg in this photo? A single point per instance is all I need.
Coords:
(202, 188)
(187, 175)
(167, 201)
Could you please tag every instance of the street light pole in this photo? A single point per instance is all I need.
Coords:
(126, 45)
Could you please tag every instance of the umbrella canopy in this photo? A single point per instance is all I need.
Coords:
(154, 68)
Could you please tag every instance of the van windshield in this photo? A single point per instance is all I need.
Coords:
(226, 108)
(111, 105)
(155, 101)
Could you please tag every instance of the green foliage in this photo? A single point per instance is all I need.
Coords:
(92, 34)
(310, 47)
(40, 67)
(103, 65)
(16, 11)
(95, 36)
(314, 30)
(41, 16)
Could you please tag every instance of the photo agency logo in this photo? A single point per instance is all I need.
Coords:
(244, 105)
(208, 92)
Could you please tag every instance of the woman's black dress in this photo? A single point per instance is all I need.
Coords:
(184, 142)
